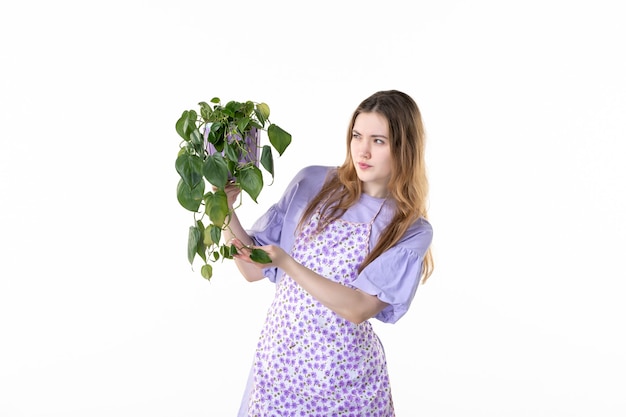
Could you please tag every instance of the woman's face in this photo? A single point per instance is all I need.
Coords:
(371, 153)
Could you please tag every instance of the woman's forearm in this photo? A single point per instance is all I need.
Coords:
(353, 305)
(236, 231)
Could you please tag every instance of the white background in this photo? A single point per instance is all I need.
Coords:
(524, 105)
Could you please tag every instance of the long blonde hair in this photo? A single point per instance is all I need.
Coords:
(408, 185)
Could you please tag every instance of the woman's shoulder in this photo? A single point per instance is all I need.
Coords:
(307, 182)
(312, 177)
(422, 224)
(315, 173)
(418, 237)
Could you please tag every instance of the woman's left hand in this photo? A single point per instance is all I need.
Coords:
(275, 253)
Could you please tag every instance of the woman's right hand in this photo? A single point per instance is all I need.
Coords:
(232, 193)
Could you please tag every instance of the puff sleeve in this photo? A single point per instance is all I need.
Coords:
(278, 225)
(394, 276)
(267, 230)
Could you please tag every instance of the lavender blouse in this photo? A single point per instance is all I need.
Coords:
(393, 277)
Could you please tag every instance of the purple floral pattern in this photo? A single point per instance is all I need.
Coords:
(310, 361)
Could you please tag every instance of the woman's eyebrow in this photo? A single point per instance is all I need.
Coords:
(373, 136)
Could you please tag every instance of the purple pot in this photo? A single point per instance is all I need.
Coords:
(251, 151)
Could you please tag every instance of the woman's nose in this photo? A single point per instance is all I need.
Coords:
(364, 150)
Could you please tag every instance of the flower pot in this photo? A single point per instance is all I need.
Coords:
(249, 150)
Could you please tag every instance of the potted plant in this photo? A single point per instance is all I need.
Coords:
(222, 145)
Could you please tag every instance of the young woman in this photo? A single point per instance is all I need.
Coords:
(347, 244)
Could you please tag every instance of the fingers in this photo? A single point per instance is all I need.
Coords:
(232, 192)
(230, 188)
(237, 244)
(243, 251)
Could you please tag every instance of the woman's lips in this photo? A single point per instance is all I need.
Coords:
(363, 165)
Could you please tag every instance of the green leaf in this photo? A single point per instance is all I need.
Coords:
(206, 236)
(195, 137)
(267, 160)
(216, 127)
(201, 248)
(217, 207)
(231, 152)
(248, 107)
(205, 110)
(232, 107)
(216, 170)
(279, 138)
(189, 167)
(233, 250)
(180, 125)
(192, 242)
(216, 233)
(225, 252)
(242, 125)
(254, 123)
(186, 124)
(260, 256)
(190, 198)
(262, 112)
(251, 181)
(206, 271)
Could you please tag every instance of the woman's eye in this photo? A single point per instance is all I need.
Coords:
(380, 141)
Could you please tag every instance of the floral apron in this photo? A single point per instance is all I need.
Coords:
(310, 361)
